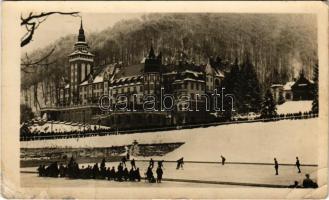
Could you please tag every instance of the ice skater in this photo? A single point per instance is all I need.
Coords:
(223, 159)
(298, 165)
(180, 163)
(276, 166)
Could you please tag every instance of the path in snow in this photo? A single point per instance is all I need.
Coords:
(294, 107)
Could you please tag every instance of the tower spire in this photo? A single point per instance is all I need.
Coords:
(151, 54)
(81, 36)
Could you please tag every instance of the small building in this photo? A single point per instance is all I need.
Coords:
(287, 93)
(302, 89)
(299, 90)
(277, 91)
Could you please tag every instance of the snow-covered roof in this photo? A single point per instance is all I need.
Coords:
(196, 74)
(170, 73)
(67, 86)
(98, 78)
(276, 85)
(192, 79)
(209, 69)
(288, 85)
(219, 73)
(81, 52)
(84, 82)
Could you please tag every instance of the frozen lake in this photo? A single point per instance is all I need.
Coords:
(231, 173)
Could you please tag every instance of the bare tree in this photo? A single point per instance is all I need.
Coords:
(33, 21)
(28, 65)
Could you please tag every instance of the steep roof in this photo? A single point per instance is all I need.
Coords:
(132, 70)
(288, 85)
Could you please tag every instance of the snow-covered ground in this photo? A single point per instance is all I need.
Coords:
(249, 142)
(61, 127)
(294, 107)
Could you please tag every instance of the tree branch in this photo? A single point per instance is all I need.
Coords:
(32, 22)
(30, 17)
(39, 60)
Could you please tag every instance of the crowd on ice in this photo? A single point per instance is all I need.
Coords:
(72, 170)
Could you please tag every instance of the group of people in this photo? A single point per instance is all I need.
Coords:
(307, 183)
(72, 170)
(149, 173)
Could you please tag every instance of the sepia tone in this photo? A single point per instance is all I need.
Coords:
(157, 104)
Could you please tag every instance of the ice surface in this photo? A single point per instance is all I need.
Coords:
(234, 173)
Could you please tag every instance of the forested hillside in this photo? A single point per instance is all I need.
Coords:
(278, 45)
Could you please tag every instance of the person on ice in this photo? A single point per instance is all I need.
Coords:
(125, 174)
(308, 183)
(149, 175)
(298, 165)
(151, 163)
(276, 166)
(133, 164)
(137, 175)
(123, 160)
(160, 163)
(180, 163)
(223, 159)
(159, 174)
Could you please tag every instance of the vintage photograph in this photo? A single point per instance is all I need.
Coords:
(169, 100)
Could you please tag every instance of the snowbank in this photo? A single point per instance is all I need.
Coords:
(60, 127)
(294, 107)
(249, 142)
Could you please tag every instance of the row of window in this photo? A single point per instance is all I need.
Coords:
(193, 86)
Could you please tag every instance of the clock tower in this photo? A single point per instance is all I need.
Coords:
(81, 62)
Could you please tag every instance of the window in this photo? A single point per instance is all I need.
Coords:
(197, 86)
(185, 85)
(192, 86)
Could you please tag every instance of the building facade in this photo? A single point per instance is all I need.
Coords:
(130, 86)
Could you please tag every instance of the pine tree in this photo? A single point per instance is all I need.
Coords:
(249, 88)
(268, 108)
(230, 83)
(315, 103)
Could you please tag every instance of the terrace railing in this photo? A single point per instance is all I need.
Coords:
(99, 132)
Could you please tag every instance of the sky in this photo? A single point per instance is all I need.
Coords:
(57, 26)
